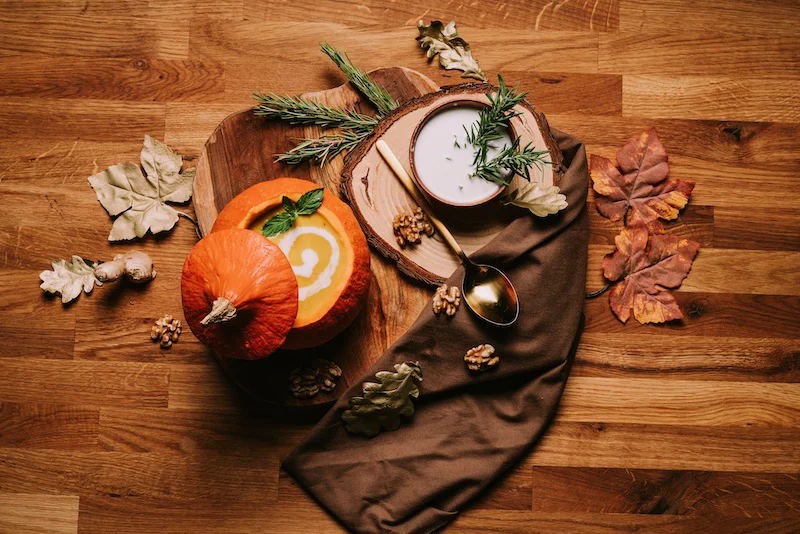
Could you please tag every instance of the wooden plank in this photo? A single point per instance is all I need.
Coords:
(144, 516)
(56, 163)
(201, 387)
(691, 447)
(708, 314)
(71, 121)
(698, 53)
(38, 514)
(724, 98)
(93, 36)
(192, 431)
(717, 270)
(82, 382)
(48, 426)
(770, 146)
(679, 402)
(687, 358)
(213, 478)
(771, 230)
(513, 15)
(738, 17)
(154, 80)
(527, 522)
(682, 493)
(373, 48)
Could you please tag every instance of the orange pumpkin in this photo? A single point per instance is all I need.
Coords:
(239, 294)
(327, 250)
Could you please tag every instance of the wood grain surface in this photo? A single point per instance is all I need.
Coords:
(687, 427)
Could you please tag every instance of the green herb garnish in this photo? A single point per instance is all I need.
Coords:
(354, 126)
(307, 204)
(487, 128)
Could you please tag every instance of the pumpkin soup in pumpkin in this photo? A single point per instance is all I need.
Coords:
(327, 251)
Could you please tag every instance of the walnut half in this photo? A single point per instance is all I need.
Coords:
(308, 380)
(447, 300)
(481, 358)
(166, 331)
(409, 227)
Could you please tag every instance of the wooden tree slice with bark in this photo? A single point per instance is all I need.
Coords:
(241, 153)
(376, 195)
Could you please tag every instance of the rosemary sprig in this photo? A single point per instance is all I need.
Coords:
(382, 101)
(322, 149)
(492, 119)
(299, 110)
(511, 160)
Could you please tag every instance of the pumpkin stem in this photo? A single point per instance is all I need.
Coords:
(221, 310)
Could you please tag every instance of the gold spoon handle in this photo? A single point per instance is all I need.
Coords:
(394, 163)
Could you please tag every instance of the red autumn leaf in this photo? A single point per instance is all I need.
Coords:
(640, 183)
(644, 263)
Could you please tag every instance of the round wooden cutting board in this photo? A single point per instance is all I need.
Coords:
(241, 152)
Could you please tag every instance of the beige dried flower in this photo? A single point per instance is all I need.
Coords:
(446, 299)
(410, 227)
(308, 380)
(481, 358)
(167, 330)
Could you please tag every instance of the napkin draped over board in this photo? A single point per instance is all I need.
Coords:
(468, 428)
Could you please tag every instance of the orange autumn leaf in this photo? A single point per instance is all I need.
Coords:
(639, 184)
(644, 264)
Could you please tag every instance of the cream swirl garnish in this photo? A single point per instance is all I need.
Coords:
(310, 259)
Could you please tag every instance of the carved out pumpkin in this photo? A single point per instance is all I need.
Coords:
(239, 294)
(327, 250)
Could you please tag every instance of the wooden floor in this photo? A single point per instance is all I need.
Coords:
(678, 428)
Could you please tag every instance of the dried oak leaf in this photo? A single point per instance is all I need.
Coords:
(645, 263)
(541, 202)
(139, 200)
(68, 279)
(384, 402)
(454, 52)
(642, 185)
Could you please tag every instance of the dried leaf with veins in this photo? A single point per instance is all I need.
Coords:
(541, 202)
(69, 278)
(139, 200)
(385, 402)
(640, 184)
(454, 52)
(643, 264)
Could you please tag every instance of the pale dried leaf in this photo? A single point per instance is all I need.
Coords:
(384, 402)
(541, 202)
(453, 51)
(139, 199)
(68, 279)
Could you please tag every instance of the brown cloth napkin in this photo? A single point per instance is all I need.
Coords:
(468, 429)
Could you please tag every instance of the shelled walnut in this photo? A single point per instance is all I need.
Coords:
(308, 380)
(447, 300)
(166, 331)
(409, 227)
(481, 358)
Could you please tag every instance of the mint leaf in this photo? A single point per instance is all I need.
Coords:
(310, 202)
(278, 224)
(289, 205)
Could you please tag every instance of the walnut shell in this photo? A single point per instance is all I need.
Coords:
(481, 358)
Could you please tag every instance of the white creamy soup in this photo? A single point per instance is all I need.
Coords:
(443, 157)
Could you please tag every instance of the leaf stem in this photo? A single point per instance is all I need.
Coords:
(597, 293)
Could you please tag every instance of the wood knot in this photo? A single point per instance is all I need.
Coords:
(140, 64)
(734, 131)
(697, 308)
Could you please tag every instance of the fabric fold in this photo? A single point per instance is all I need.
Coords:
(468, 429)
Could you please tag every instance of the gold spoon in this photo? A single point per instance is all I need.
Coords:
(486, 290)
